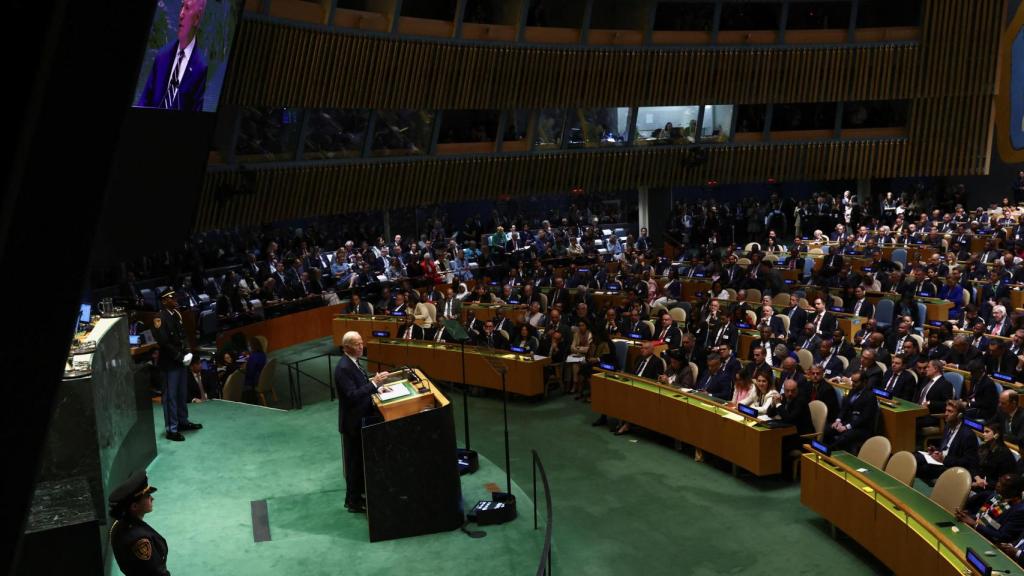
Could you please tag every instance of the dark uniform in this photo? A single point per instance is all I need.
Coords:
(170, 335)
(138, 549)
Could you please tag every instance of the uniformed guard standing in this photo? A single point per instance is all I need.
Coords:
(172, 362)
(138, 549)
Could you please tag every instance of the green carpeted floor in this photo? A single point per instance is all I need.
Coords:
(622, 504)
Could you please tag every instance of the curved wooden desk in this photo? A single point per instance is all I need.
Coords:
(442, 361)
(692, 418)
(896, 523)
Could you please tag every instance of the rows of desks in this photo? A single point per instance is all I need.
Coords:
(440, 361)
(692, 418)
(900, 526)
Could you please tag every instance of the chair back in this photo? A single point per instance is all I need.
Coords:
(650, 326)
(781, 299)
(785, 323)
(899, 255)
(751, 318)
(754, 295)
(233, 386)
(876, 451)
(149, 297)
(922, 313)
(805, 358)
(919, 339)
(621, 352)
(883, 312)
(678, 314)
(884, 368)
(266, 381)
(266, 344)
(844, 361)
(957, 380)
(819, 413)
(732, 293)
(903, 467)
(952, 488)
(694, 370)
(808, 266)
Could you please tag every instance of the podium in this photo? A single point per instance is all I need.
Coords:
(409, 462)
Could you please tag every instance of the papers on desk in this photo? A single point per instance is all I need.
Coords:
(538, 357)
(764, 418)
(928, 458)
(734, 417)
(393, 391)
(575, 358)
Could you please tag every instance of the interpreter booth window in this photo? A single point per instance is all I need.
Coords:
(818, 116)
(335, 133)
(750, 122)
(819, 16)
(550, 123)
(517, 131)
(267, 134)
(468, 131)
(684, 16)
(716, 126)
(875, 114)
(596, 127)
(402, 132)
(666, 125)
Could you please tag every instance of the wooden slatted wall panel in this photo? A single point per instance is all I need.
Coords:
(281, 65)
(280, 194)
(955, 86)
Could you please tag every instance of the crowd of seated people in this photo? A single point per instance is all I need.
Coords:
(553, 267)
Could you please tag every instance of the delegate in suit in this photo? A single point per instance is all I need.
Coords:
(177, 80)
(355, 403)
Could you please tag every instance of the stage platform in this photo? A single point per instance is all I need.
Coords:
(292, 461)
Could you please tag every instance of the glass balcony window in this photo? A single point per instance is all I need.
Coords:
(268, 134)
(666, 125)
(717, 124)
(335, 133)
(402, 132)
(597, 127)
(550, 123)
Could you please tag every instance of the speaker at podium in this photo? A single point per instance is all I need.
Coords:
(409, 461)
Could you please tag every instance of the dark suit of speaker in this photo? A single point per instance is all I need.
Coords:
(355, 403)
(191, 80)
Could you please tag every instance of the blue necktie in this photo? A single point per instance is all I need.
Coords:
(946, 439)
